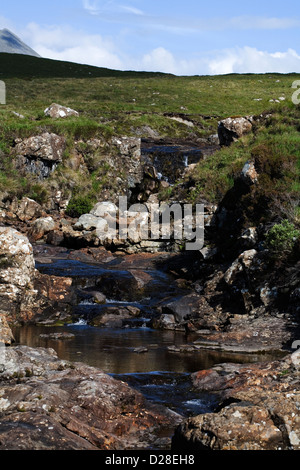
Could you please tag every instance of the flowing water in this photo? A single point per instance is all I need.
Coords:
(135, 353)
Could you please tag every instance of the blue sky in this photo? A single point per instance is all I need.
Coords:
(183, 37)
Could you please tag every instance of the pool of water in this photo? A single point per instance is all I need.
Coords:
(138, 356)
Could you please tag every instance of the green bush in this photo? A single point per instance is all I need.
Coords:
(79, 205)
(282, 237)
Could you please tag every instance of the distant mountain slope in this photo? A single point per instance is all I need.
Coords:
(11, 44)
(26, 66)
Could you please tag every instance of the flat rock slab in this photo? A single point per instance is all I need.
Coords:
(50, 404)
(249, 335)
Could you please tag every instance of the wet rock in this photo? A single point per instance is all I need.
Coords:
(56, 111)
(55, 297)
(99, 298)
(192, 312)
(140, 350)
(50, 404)
(166, 322)
(183, 308)
(114, 317)
(231, 129)
(258, 410)
(248, 334)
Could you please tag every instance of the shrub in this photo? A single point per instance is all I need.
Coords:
(79, 205)
(282, 237)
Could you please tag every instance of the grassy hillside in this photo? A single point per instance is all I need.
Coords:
(22, 66)
(132, 103)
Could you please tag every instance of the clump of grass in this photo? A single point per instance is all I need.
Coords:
(281, 238)
(79, 205)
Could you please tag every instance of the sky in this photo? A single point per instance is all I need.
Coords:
(186, 37)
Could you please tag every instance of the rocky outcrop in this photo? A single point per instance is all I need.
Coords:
(259, 408)
(127, 150)
(39, 155)
(17, 271)
(231, 129)
(50, 404)
(123, 230)
(24, 210)
(25, 294)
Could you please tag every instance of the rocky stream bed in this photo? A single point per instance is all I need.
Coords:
(142, 345)
(118, 359)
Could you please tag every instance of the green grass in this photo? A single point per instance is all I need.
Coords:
(112, 102)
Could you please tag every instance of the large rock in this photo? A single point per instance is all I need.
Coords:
(39, 154)
(231, 129)
(56, 405)
(17, 271)
(248, 334)
(26, 209)
(41, 227)
(56, 111)
(87, 222)
(259, 411)
(241, 264)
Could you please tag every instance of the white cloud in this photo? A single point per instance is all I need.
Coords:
(251, 60)
(92, 8)
(65, 43)
(96, 7)
(159, 60)
(260, 22)
(5, 23)
(236, 60)
(133, 10)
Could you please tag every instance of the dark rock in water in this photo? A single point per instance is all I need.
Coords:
(170, 160)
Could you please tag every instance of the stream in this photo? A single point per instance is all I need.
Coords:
(135, 353)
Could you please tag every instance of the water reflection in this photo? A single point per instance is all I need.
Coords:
(115, 350)
(161, 375)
